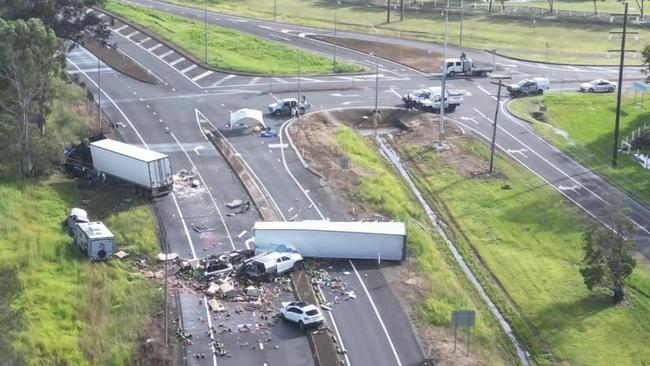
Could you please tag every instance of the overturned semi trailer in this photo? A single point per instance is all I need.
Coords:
(327, 239)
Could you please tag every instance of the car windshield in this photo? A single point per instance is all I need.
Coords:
(312, 312)
(595, 82)
(522, 83)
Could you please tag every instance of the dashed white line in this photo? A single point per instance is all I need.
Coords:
(154, 47)
(189, 68)
(254, 81)
(281, 81)
(166, 54)
(132, 34)
(199, 77)
(121, 28)
(144, 40)
(180, 59)
(225, 78)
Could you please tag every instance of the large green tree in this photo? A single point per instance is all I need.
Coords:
(31, 56)
(68, 18)
(608, 257)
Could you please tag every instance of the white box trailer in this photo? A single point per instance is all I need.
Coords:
(327, 239)
(94, 239)
(149, 170)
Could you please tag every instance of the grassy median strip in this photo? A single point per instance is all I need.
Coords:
(572, 40)
(582, 125)
(530, 240)
(228, 49)
(383, 189)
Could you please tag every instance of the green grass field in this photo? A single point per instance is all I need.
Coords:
(60, 308)
(569, 40)
(228, 49)
(583, 126)
(387, 193)
(529, 238)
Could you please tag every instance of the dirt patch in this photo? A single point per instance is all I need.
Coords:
(317, 143)
(119, 61)
(417, 58)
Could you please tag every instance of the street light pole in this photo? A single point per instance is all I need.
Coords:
(299, 96)
(619, 89)
(462, 13)
(99, 95)
(494, 124)
(443, 88)
(335, 21)
(205, 30)
(376, 68)
(274, 7)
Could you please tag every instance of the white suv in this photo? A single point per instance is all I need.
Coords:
(301, 313)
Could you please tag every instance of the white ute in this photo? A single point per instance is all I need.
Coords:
(271, 264)
(303, 314)
(287, 106)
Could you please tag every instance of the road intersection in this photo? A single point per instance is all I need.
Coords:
(167, 117)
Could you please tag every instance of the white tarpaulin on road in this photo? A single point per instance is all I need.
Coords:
(244, 113)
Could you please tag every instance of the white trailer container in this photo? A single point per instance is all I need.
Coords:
(149, 170)
(326, 239)
(94, 239)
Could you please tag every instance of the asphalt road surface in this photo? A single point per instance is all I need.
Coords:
(165, 117)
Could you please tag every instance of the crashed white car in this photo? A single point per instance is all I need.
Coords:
(286, 106)
(598, 86)
(303, 314)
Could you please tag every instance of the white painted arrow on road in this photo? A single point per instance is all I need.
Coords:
(518, 151)
(574, 188)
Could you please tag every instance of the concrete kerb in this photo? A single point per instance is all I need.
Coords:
(181, 51)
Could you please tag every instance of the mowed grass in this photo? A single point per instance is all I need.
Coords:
(384, 190)
(228, 49)
(530, 239)
(583, 126)
(56, 307)
(570, 40)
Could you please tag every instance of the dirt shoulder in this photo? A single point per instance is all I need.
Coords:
(417, 58)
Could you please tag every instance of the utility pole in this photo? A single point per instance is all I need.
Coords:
(443, 88)
(462, 14)
(388, 11)
(99, 95)
(336, 8)
(494, 123)
(299, 96)
(274, 8)
(619, 89)
(376, 67)
(205, 30)
(401, 10)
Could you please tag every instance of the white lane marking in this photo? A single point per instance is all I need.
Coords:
(196, 149)
(254, 81)
(507, 65)
(210, 330)
(374, 308)
(486, 92)
(120, 28)
(150, 49)
(574, 188)
(144, 40)
(214, 202)
(336, 329)
(166, 54)
(189, 68)
(180, 59)
(281, 81)
(522, 152)
(308, 79)
(280, 37)
(225, 78)
(199, 77)
(344, 95)
(278, 146)
(187, 232)
(471, 119)
(132, 34)
(396, 93)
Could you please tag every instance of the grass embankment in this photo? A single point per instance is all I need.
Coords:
(57, 308)
(530, 239)
(448, 290)
(570, 40)
(583, 126)
(228, 49)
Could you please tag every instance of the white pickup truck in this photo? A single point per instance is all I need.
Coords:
(465, 66)
(434, 101)
(271, 264)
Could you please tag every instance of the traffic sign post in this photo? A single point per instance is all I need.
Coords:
(464, 319)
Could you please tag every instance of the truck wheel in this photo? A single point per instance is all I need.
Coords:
(451, 108)
(301, 325)
(540, 92)
(277, 112)
(297, 266)
(302, 110)
(591, 90)
(452, 74)
(611, 90)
